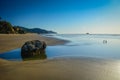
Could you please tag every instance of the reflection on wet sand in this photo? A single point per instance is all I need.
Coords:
(42, 55)
(61, 69)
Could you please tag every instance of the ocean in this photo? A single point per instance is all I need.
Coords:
(106, 46)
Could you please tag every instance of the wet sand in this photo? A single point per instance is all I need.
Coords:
(61, 69)
(13, 41)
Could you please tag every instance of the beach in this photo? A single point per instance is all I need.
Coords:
(56, 68)
(60, 40)
(61, 69)
(13, 41)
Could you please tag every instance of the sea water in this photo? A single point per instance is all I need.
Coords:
(81, 45)
(92, 45)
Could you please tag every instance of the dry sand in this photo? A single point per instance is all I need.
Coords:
(61, 69)
(12, 41)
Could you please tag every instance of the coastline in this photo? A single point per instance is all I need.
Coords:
(14, 41)
(61, 69)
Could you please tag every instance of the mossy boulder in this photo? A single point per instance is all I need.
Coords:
(33, 48)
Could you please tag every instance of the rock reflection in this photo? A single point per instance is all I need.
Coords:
(40, 56)
(104, 41)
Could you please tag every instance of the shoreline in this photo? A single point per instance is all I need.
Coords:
(13, 41)
(61, 69)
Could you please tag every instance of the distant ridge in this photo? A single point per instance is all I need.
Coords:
(7, 28)
(36, 30)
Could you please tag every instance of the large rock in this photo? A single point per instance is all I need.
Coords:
(33, 48)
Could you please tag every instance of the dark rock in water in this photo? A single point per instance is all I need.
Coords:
(33, 48)
(87, 33)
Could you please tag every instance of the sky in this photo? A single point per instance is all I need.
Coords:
(64, 16)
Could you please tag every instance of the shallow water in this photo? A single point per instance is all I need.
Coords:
(81, 45)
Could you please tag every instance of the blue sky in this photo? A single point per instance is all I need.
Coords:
(64, 16)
